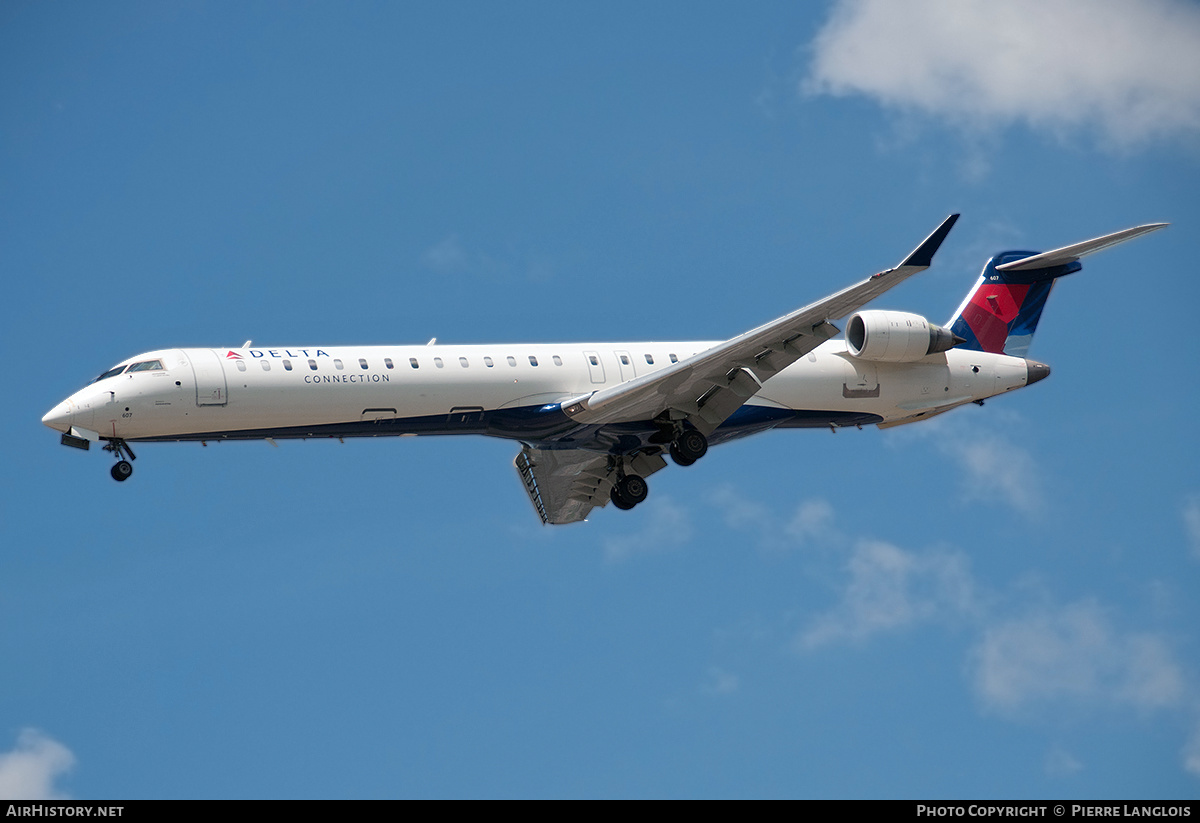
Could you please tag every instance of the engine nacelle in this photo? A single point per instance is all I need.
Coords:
(896, 336)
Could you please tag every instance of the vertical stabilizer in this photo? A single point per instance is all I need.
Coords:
(1002, 312)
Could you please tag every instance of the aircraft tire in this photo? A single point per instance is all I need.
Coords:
(678, 457)
(691, 445)
(619, 501)
(121, 471)
(632, 489)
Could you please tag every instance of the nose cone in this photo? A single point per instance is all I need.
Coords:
(1035, 371)
(59, 418)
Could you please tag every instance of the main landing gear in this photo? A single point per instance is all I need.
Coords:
(688, 447)
(628, 491)
(123, 468)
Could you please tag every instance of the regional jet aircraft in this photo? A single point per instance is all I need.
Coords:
(594, 420)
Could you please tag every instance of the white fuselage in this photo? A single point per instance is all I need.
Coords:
(509, 390)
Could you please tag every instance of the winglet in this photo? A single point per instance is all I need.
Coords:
(1069, 254)
(923, 254)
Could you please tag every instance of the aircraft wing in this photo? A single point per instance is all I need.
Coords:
(710, 386)
(566, 484)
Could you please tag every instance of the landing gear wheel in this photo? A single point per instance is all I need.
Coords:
(619, 501)
(689, 447)
(122, 470)
(631, 490)
(678, 457)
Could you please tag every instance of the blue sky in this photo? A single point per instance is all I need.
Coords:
(996, 603)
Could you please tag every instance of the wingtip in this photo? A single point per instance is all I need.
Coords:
(922, 255)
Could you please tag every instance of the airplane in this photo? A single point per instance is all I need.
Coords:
(594, 420)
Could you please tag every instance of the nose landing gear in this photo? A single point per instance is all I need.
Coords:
(123, 468)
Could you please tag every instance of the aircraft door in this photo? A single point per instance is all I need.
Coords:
(626, 364)
(861, 379)
(211, 389)
(595, 366)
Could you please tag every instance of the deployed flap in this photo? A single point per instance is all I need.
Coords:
(710, 386)
(1069, 254)
(566, 484)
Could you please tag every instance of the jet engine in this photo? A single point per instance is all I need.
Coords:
(896, 336)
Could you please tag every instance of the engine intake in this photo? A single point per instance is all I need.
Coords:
(896, 336)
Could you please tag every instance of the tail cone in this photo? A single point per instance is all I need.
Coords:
(1035, 371)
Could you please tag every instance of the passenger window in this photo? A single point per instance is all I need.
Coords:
(532, 360)
(413, 362)
(594, 360)
(674, 359)
(437, 361)
(287, 365)
(512, 361)
(312, 364)
(241, 365)
(337, 364)
(266, 364)
(362, 362)
(487, 361)
(462, 361)
(387, 361)
(650, 359)
(624, 360)
(557, 360)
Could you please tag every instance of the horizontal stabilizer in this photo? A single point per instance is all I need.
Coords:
(1069, 254)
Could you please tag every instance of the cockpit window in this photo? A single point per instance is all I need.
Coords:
(146, 365)
(110, 373)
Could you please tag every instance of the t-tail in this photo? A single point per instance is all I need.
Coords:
(1002, 311)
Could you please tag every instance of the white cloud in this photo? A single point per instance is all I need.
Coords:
(1191, 753)
(1023, 661)
(446, 257)
(995, 467)
(1061, 763)
(1191, 522)
(450, 256)
(890, 589)
(1072, 654)
(737, 511)
(813, 518)
(666, 525)
(29, 771)
(720, 682)
(1129, 70)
